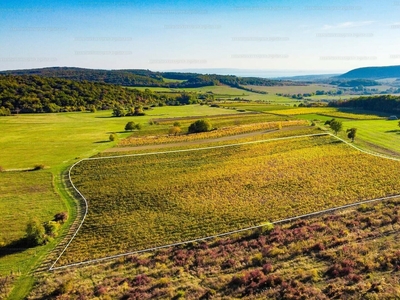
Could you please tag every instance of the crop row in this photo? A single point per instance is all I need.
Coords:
(339, 114)
(226, 131)
(146, 201)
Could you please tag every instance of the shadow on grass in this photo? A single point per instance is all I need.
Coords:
(118, 132)
(101, 142)
(14, 247)
(397, 131)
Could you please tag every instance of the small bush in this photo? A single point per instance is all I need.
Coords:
(2, 169)
(112, 137)
(174, 130)
(130, 126)
(51, 228)
(61, 217)
(35, 233)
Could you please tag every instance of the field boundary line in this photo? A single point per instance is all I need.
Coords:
(52, 268)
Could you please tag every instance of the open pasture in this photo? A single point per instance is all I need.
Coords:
(57, 139)
(293, 89)
(377, 135)
(137, 202)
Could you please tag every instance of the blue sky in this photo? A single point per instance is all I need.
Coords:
(285, 37)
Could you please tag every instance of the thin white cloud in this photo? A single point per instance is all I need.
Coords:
(348, 25)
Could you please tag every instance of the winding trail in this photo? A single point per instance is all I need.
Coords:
(286, 220)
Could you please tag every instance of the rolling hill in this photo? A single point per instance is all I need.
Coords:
(373, 73)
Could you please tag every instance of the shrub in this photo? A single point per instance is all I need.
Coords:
(61, 217)
(200, 126)
(51, 228)
(2, 169)
(130, 126)
(112, 137)
(177, 124)
(174, 130)
(35, 233)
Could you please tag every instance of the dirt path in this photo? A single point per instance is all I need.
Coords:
(199, 142)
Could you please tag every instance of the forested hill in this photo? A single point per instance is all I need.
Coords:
(373, 73)
(382, 103)
(147, 78)
(120, 77)
(29, 94)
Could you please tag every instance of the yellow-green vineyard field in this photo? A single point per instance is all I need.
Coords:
(139, 202)
(221, 132)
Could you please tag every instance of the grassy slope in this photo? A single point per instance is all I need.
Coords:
(227, 92)
(57, 139)
(383, 133)
(301, 89)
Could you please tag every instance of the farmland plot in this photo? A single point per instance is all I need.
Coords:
(138, 202)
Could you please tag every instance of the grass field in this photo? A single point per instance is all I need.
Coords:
(226, 93)
(383, 133)
(140, 202)
(24, 196)
(252, 106)
(57, 139)
(301, 89)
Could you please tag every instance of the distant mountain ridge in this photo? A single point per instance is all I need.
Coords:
(372, 73)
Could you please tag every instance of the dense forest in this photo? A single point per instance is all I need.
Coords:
(381, 103)
(35, 94)
(146, 77)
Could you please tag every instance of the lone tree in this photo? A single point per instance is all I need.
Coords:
(112, 137)
(351, 133)
(200, 126)
(336, 126)
(130, 126)
(399, 123)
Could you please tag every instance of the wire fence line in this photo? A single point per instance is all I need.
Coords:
(286, 220)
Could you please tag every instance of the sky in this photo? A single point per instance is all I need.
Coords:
(260, 37)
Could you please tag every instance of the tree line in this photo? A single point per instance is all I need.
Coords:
(36, 94)
(380, 103)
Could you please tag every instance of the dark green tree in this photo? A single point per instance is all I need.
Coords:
(351, 133)
(200, 126)
(130, 126)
